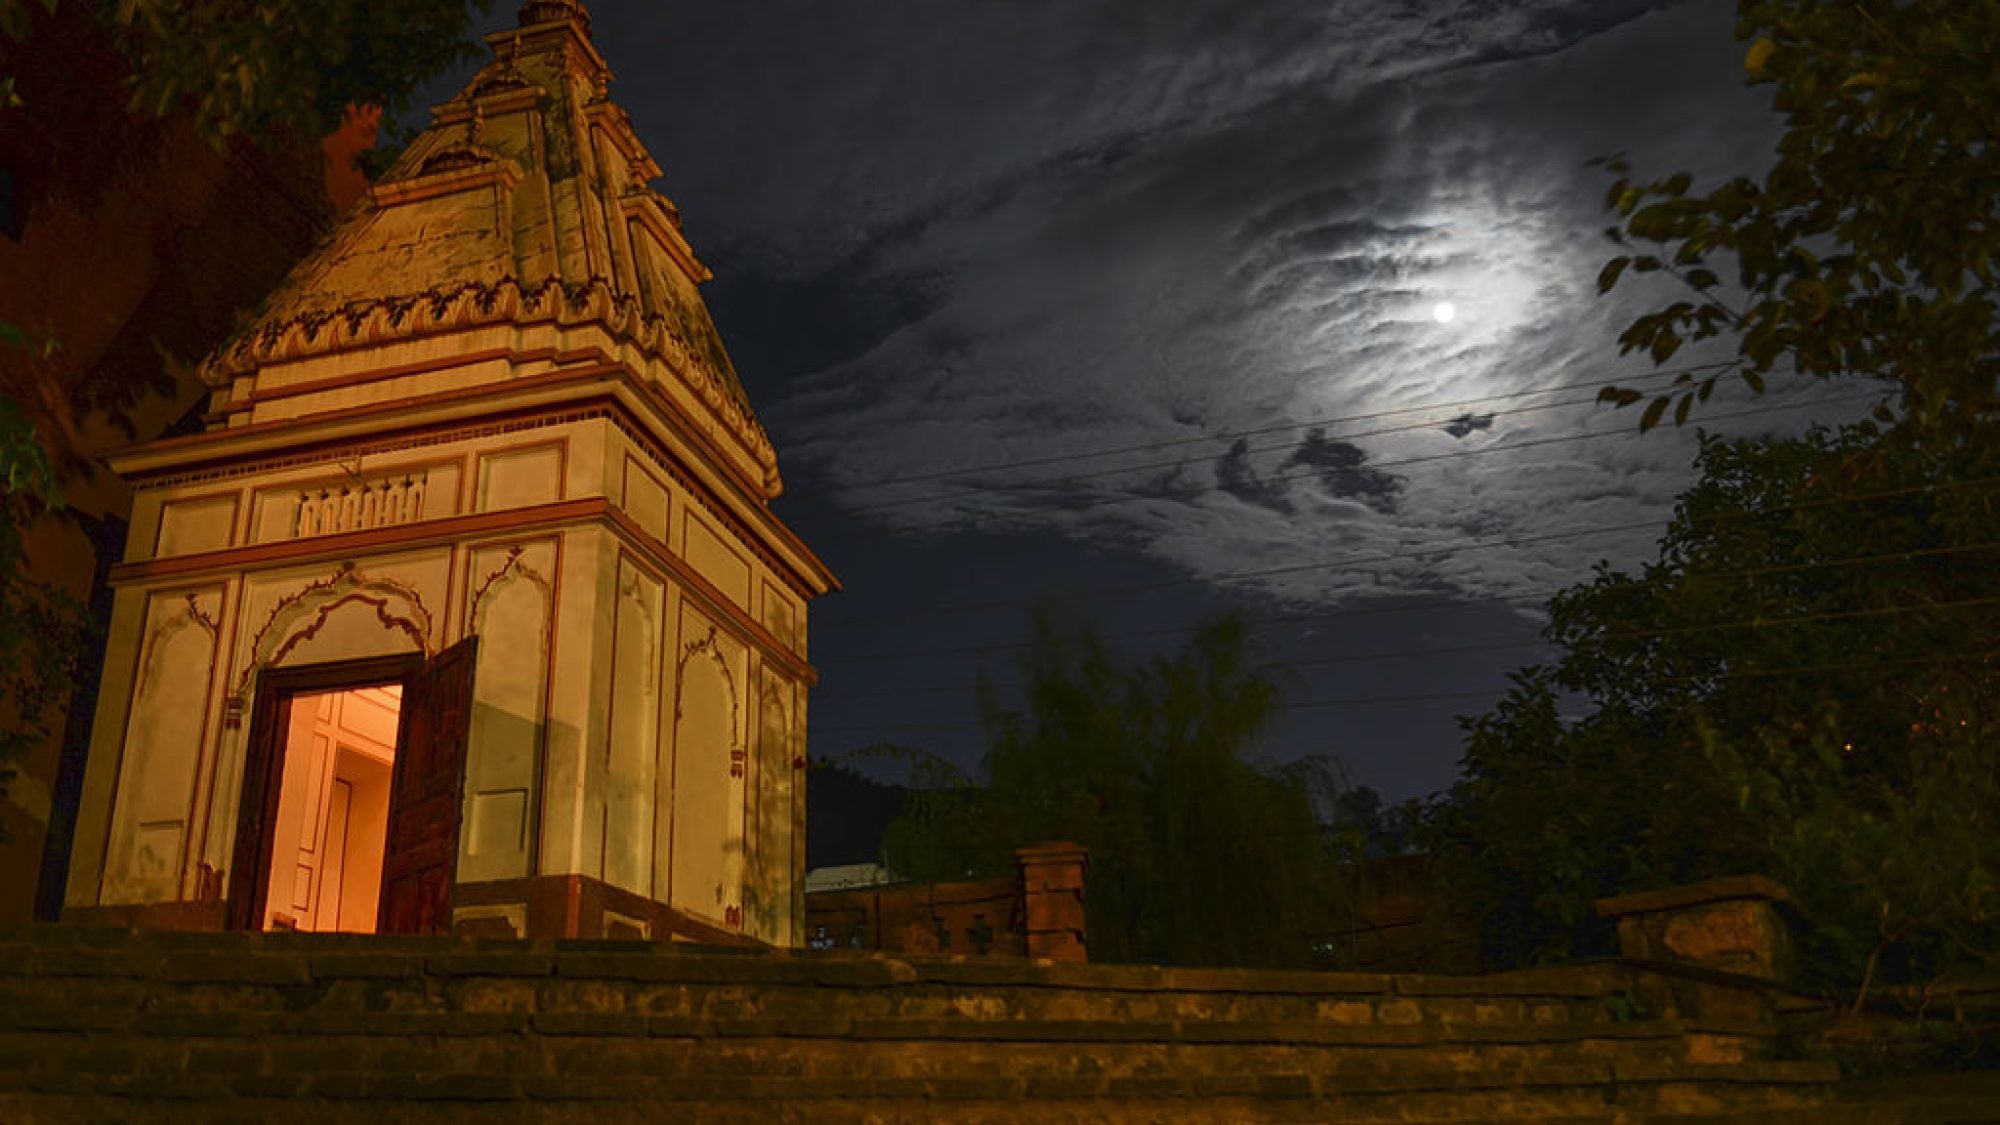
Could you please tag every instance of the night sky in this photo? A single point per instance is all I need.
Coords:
(1141, 304)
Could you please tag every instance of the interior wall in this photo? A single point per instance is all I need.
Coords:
(332, 810)
(366, 781)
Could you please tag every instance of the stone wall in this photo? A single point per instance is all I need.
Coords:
(116, 1025)
(1037, 913)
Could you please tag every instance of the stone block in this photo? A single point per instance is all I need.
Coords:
(224, 1058)
(366, 965)
(53, 1014)
(590, 1023)
(491, 964)
(597, 1087)
(1354, 1012)
(262, 968)
(276, 1085)
(875, 972)
(631, 1057)
(1147, 1086)
(421, 1087)
(1284, 1086)
(96, 961)
(1399, 1012)
(1057, 1087)
(980, 1088)
(1736, 924)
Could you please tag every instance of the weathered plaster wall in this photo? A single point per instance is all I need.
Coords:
(638, 706)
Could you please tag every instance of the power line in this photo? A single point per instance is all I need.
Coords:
(1434, 697)
(1166, 630)
(1093, 474)
(1459, 650)
(1096, 501)
(941, 689)
(1269, 572)
(1333, 420)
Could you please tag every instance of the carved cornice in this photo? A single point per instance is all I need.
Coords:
(472, 305)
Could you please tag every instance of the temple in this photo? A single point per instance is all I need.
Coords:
(467, 612)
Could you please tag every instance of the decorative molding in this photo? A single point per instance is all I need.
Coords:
(512, 565)
(361, 504)
(336, 453)
(708, 645)
(616, 413)
(472, 305)
(191, 615)
(462, 167)
(444, 531)
(345, 586)
(628, 587)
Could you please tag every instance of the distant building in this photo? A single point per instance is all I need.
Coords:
(849, 876)
(1038, 912)
(467, 611)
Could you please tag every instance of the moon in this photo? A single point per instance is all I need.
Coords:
(1444, 312)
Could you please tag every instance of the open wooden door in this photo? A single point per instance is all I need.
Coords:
(422, 852)
(263, 770)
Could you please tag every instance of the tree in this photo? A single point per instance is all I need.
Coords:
(261, 67)
(92, 90)
(1870, 246)
(1805, 683)
(1197, 856)
(42, 630)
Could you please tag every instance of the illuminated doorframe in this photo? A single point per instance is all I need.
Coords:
(264, 772)
(426, 783)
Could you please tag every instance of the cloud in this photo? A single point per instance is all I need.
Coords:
(1210, 237)
(1341, 469)
(1468, 423)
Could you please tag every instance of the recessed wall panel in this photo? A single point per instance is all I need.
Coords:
(709, 553)
(511, 608)
(163, 741)
(518, 478)
(191, 526)
(632, 735)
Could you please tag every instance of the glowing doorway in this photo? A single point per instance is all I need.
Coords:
(333, 810)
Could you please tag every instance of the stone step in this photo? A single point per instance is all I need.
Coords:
(363, 970)
(615, 1045)
(1917, 1099)
(107, 1025)
(1567, 1093)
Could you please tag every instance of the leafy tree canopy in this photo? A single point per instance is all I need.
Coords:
(261, 67)
(1870, 246)
(1806, 683)
(279, 72)
(1197, 855)
(43, 631)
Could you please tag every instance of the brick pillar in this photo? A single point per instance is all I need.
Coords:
(1052, 885)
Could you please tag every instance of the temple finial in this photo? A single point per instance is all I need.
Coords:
(553, 11)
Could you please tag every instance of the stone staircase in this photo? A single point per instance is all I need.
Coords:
(115, 1025)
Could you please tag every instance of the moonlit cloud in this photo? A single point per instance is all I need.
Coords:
(1219, 233)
